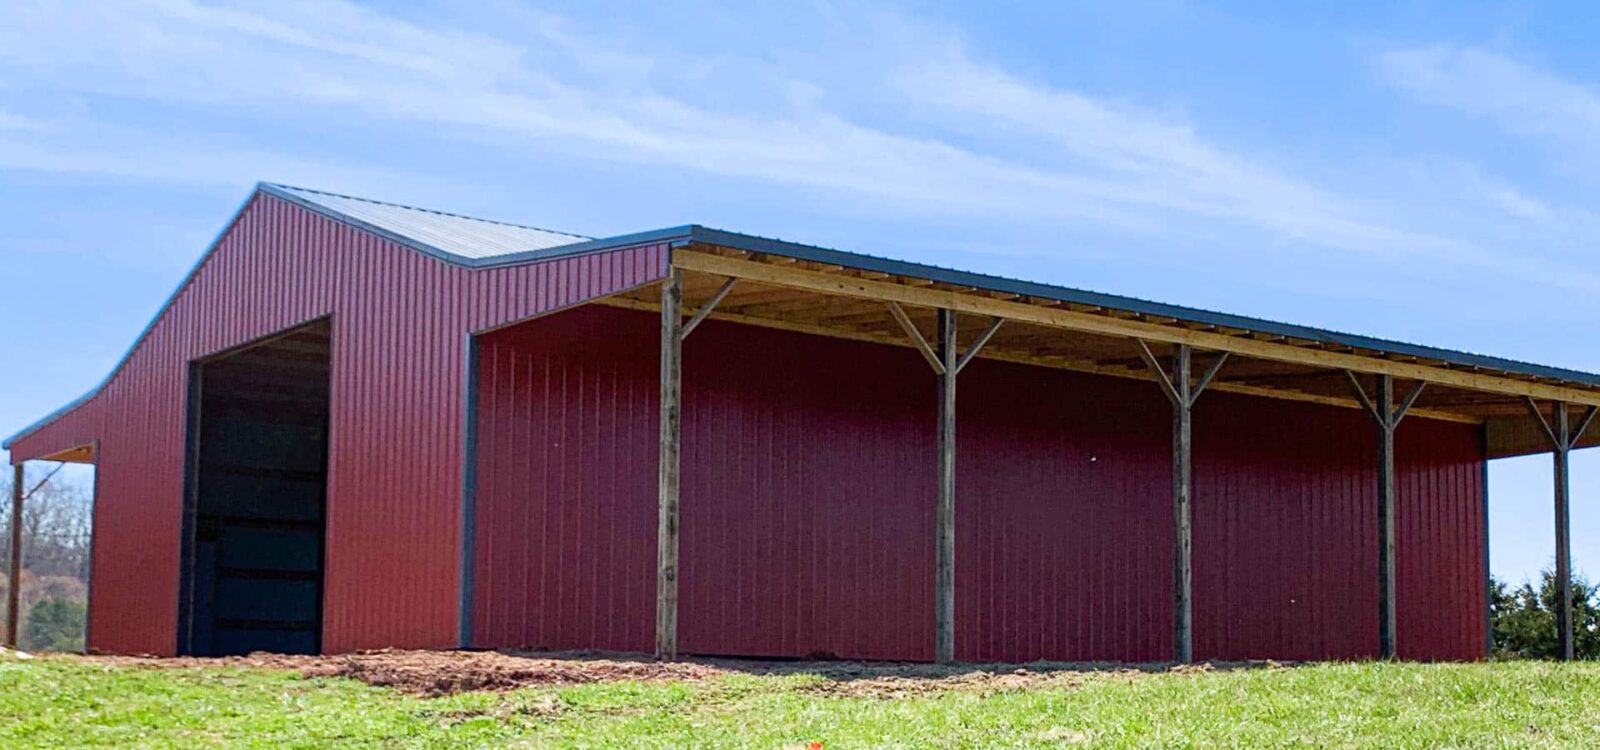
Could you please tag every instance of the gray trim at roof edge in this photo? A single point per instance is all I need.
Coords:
(675, 236)
(693, 233)
(1066, 294)
(582, 247)
(148, 327)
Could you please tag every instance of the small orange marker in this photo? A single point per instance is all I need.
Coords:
(814, 745)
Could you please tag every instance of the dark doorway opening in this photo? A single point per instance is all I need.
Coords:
(256, 500)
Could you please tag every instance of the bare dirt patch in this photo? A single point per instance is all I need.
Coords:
(436, 673)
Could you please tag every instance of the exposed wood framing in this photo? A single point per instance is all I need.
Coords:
(667, 494)
(1183, 392)
(705, 309)
(1053, 362)
(1267, 347)
(83, 454)
(977, 346)
(1388, 417)
(1563, 439)
(917, 340)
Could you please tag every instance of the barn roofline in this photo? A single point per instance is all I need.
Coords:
(694, 234)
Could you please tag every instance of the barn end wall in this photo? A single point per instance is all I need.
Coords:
(807, 507)
(400, 326)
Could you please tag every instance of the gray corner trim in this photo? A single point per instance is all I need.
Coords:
(469, 495)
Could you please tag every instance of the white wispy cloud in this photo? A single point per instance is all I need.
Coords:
(361, 61)
(9, 121)
(1520, 97)
(948, 134)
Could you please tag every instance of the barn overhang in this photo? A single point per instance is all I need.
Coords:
(844, 295)
(951, 318)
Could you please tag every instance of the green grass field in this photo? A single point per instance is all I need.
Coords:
(62, 702)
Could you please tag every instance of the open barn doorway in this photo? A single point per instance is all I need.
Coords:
(255, 505)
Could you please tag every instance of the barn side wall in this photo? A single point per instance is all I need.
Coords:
(400, 323)
(807, 507)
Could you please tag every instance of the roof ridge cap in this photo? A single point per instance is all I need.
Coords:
(436, 212)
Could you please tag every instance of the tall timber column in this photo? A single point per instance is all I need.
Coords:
(667, 487)
(947, 361)
(1388, 417)
(673, 332)
(1182, 391)
(1563, 438)
(944, 634)
(14, 592)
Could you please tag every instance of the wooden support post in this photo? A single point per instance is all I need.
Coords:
(1386, 490)
(944, 636)
(1563, 438)
(947, 362)
(667, 487)
(1182, 537)
(1383, 410)
(1563, 488)
(1183, 391)
(14, 593)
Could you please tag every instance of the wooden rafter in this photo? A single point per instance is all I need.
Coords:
(1054, 361)
(1264, 346)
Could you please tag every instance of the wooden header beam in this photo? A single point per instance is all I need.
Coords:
(1057, 363)
(1058, 317)
(83, 454)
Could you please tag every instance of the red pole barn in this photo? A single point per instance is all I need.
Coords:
(360, 425)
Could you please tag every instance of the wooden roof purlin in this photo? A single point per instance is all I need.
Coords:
(828, 299)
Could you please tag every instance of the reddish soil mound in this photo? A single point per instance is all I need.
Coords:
(435, 673)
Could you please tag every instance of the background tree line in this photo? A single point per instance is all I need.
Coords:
(1523, 618)
(55, 563)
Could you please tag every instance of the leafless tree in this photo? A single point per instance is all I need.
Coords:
(56, 521)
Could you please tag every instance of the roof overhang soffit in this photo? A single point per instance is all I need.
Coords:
(1244, 343)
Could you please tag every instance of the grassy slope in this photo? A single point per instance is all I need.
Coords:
(64, 703)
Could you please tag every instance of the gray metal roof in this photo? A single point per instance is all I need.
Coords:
(481, 243)
(461, 236)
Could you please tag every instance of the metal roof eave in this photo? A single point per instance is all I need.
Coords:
(691, 234)
(755, 244)
(127, 353)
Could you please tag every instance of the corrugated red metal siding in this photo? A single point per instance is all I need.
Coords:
(1285, 545)
(805, 526)
(1063, 516)
(400, 326)
(1439, 542)
(807, 507)
(786, 438)
(566, 496)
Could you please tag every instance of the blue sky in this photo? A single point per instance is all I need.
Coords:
(1415, 170)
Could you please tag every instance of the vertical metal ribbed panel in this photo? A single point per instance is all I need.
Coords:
(806, 518)
(1285, 550)
(1063, 517)
(808, 498)
(1064, 542)
(1439, 542)
(806, 467)
(400, 327)
(566, 485)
